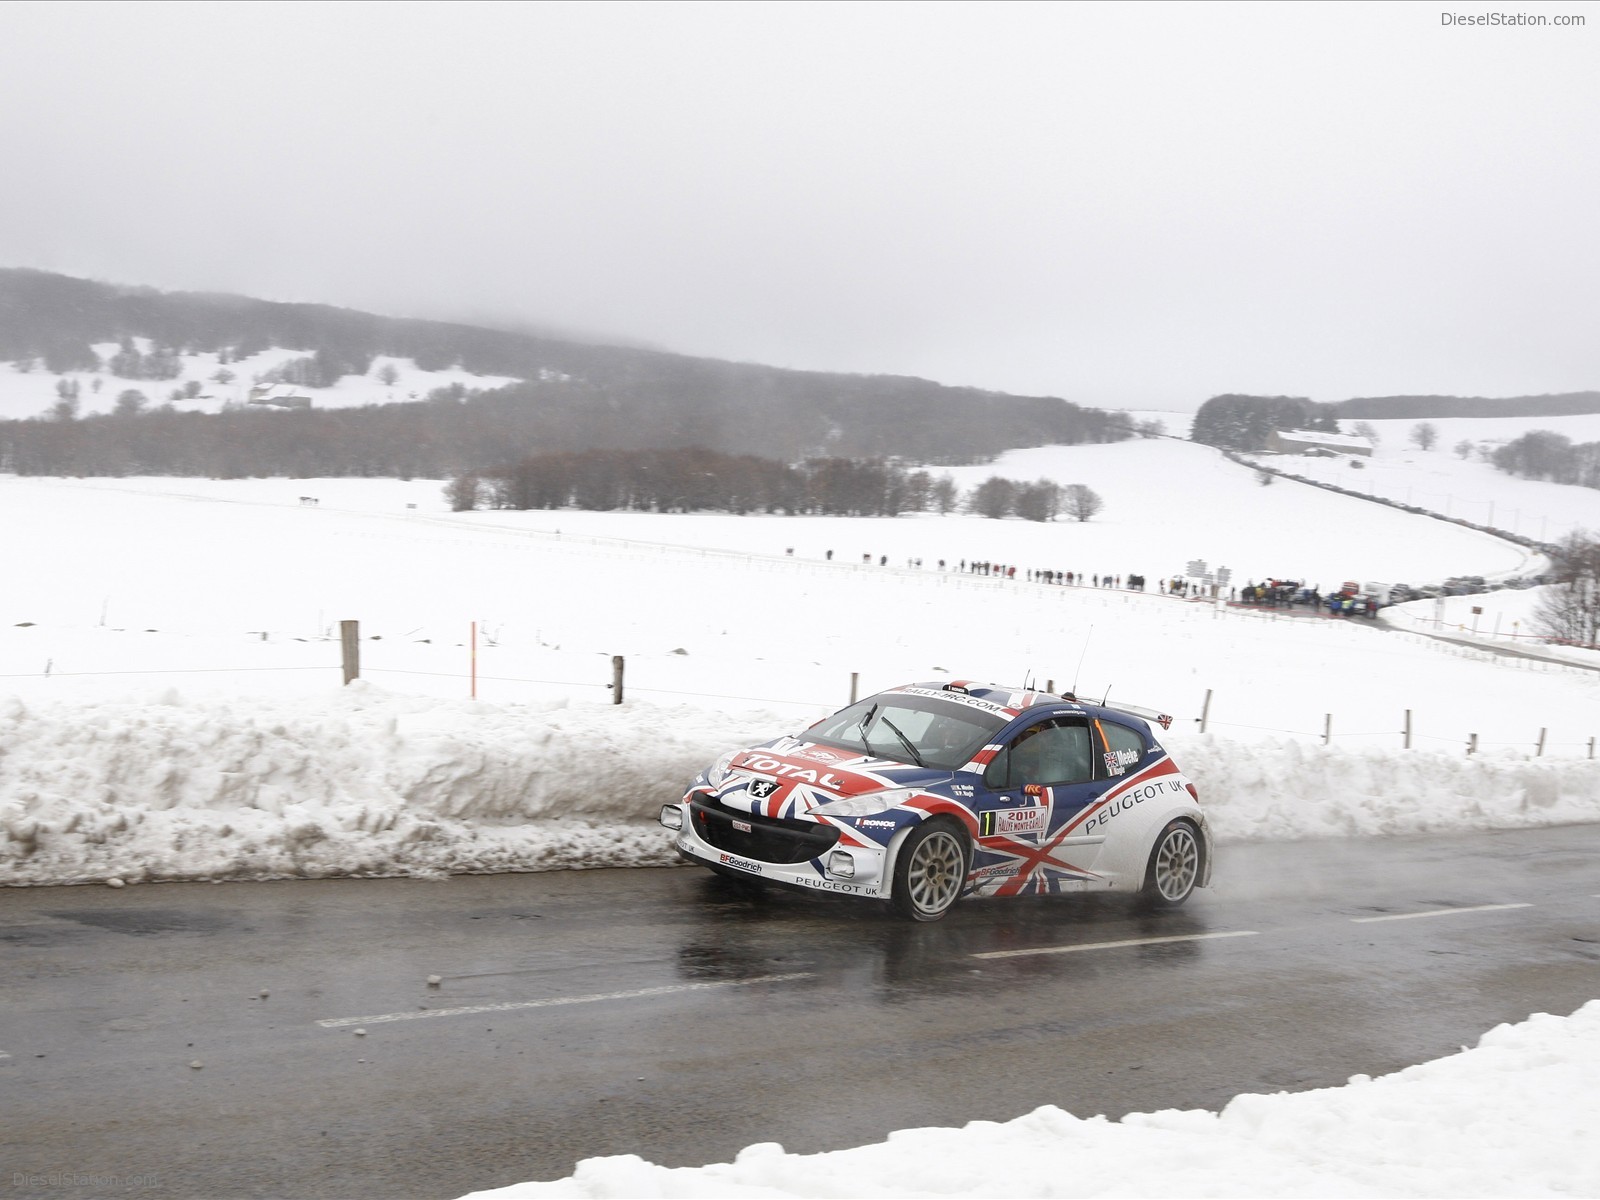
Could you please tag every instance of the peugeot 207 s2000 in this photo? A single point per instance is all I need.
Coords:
(929, 792)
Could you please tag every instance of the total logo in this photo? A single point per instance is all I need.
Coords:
(776, 766)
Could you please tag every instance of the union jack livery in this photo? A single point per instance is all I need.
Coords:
(930, 792)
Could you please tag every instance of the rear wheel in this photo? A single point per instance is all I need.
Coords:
(1174, 868)
(929, 871)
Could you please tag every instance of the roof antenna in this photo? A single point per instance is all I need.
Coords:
(1106, 697)
(1079, 667)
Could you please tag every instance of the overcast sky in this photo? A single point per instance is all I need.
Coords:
(1137, 205)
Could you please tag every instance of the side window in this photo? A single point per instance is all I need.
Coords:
(1124, 747)
(1049, 753)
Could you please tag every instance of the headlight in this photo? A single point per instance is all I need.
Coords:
(717, 772)
(865, 806)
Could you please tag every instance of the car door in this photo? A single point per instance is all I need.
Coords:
(1033, 792)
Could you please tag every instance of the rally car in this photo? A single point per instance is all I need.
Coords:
(933, 791)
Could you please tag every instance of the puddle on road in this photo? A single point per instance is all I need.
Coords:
(151, 922)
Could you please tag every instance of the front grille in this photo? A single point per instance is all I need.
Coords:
(769, 839)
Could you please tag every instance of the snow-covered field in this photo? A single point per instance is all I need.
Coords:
(1446, 481)
(171, 708)
(170, 663)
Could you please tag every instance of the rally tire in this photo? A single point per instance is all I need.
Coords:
(1175, 867)
(929, 871)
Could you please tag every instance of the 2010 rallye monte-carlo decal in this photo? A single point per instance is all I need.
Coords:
(927, 793)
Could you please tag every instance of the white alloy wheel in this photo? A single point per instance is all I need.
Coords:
(1174, 865)
(929, 872)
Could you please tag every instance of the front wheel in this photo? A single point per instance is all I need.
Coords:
(929, 872)
(1174, 868)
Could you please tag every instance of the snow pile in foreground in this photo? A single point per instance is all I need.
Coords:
(361, 783)
(365, 782)
(1512, 1117)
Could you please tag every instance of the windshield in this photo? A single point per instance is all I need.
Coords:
(923, 730)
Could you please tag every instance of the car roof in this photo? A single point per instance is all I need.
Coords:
(1012, 702)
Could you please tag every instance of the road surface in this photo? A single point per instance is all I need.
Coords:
(670, 1014)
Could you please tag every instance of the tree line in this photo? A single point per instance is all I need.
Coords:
(453, 431)
(1553, 457)
(571, 396)
(1239, 422)
(1555, 404)
(700, 480)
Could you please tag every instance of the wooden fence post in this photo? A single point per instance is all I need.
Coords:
(1327, 729)
(1472, 744)
(1539, 753)
(616, 679)
(1205, 711)
(1408, 729)
(855, 682)
(350, 644)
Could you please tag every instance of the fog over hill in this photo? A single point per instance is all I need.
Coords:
(540, 393)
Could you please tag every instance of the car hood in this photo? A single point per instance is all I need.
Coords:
(789, 777)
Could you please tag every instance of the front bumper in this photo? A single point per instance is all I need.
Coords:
(808, 857)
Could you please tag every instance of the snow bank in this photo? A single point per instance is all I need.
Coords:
(364, 782)
(1284, 790)
(360, 783)
(1512, 1117)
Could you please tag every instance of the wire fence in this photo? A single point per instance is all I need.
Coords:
(834, 690)
(1536, 744)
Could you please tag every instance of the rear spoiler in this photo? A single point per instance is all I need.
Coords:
(1149, 714)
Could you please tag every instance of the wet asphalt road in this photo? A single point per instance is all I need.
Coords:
(670, 1014)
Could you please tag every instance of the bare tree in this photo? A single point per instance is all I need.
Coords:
(993, 497)
(1425, 435)
(1037, 501)
(1081, 502)
(465, 493)
(1366, 429)
(1569, 611)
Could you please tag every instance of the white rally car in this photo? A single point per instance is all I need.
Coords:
(929, 792)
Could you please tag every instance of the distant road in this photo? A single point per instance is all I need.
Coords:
(669, 1014)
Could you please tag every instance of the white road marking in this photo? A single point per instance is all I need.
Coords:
(1437, 912)
(556, 1001)
(1186, 937)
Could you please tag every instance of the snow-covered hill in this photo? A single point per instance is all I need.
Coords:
(206, 384)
